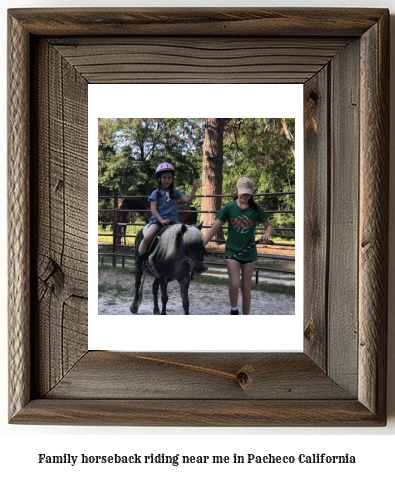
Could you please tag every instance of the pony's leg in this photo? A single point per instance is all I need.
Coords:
(138, 295)
(155, 289)
(184, 287)
(164, 296)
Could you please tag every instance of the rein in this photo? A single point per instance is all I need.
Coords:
(244, 251)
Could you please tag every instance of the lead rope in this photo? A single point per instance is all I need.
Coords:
(244, 251)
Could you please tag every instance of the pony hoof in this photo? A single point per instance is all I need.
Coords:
(134, 309)
(156, 312)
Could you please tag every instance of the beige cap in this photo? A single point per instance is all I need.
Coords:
(245, 186)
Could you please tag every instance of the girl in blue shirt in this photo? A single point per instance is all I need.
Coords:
(163, 205)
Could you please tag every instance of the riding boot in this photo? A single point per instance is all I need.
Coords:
(141, 258)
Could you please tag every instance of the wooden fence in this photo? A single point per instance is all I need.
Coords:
(121, 253)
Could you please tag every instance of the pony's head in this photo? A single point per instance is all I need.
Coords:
(194, 250)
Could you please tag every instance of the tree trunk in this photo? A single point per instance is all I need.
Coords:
(212, 169)
(288, 135)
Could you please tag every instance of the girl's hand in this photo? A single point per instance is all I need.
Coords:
(196, 184)
(265, 238)
(166, 221)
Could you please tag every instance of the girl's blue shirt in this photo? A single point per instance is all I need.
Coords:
(166, 206)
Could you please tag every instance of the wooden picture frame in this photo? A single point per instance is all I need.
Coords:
(342, 58)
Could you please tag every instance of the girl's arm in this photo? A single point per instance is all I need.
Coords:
(191, 197)
(212, 231)
(155, 212)
(269, 231)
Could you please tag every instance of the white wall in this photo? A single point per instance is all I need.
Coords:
(371, 452)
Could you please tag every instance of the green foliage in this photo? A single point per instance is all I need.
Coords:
(257, 148)
(130, 149)
(138, 145)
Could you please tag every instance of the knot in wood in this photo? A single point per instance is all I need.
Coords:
(244, 376)
(308, 331)
(313, 96)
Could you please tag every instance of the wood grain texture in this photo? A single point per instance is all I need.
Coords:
(316, 212)
(202, 413)
(343, 223)
(259, 22)
(373, 245)
(61, 199)
(18, 203)
(317, 387)
(196, 376)
(211, 59)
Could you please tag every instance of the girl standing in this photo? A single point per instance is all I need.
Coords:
(242, 216)
(163, 205)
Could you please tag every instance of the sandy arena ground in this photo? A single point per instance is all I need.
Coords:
(205, 299)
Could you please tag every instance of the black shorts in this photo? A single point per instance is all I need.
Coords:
(242, 263)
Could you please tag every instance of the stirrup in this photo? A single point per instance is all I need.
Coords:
(148, 267)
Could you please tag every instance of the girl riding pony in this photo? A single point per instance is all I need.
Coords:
(163, 201)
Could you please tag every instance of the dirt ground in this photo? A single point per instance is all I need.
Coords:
(205, 299)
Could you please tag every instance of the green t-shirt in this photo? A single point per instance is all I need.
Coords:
(241, 232)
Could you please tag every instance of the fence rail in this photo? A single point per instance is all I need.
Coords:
(118, 233)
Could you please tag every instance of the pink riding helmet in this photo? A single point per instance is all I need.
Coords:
(164, 167)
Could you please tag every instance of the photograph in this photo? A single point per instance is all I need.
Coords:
(194, 212)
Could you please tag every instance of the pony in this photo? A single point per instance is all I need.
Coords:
(176, 255)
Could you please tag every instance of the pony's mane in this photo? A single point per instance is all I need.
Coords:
(193, 235)
(167, 246)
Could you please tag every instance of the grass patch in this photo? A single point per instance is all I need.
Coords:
(263, 286)
(116, 290)
(116, 270)
(106, 236)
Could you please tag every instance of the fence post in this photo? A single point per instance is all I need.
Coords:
(114, 231)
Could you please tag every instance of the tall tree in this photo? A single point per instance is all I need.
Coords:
(258, 148)
(288, 135)
(129, 150)
(213, 161)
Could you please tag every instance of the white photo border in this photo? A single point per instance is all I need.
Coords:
(195, 333)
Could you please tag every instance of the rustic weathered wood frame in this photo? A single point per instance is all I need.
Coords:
(340, 378)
